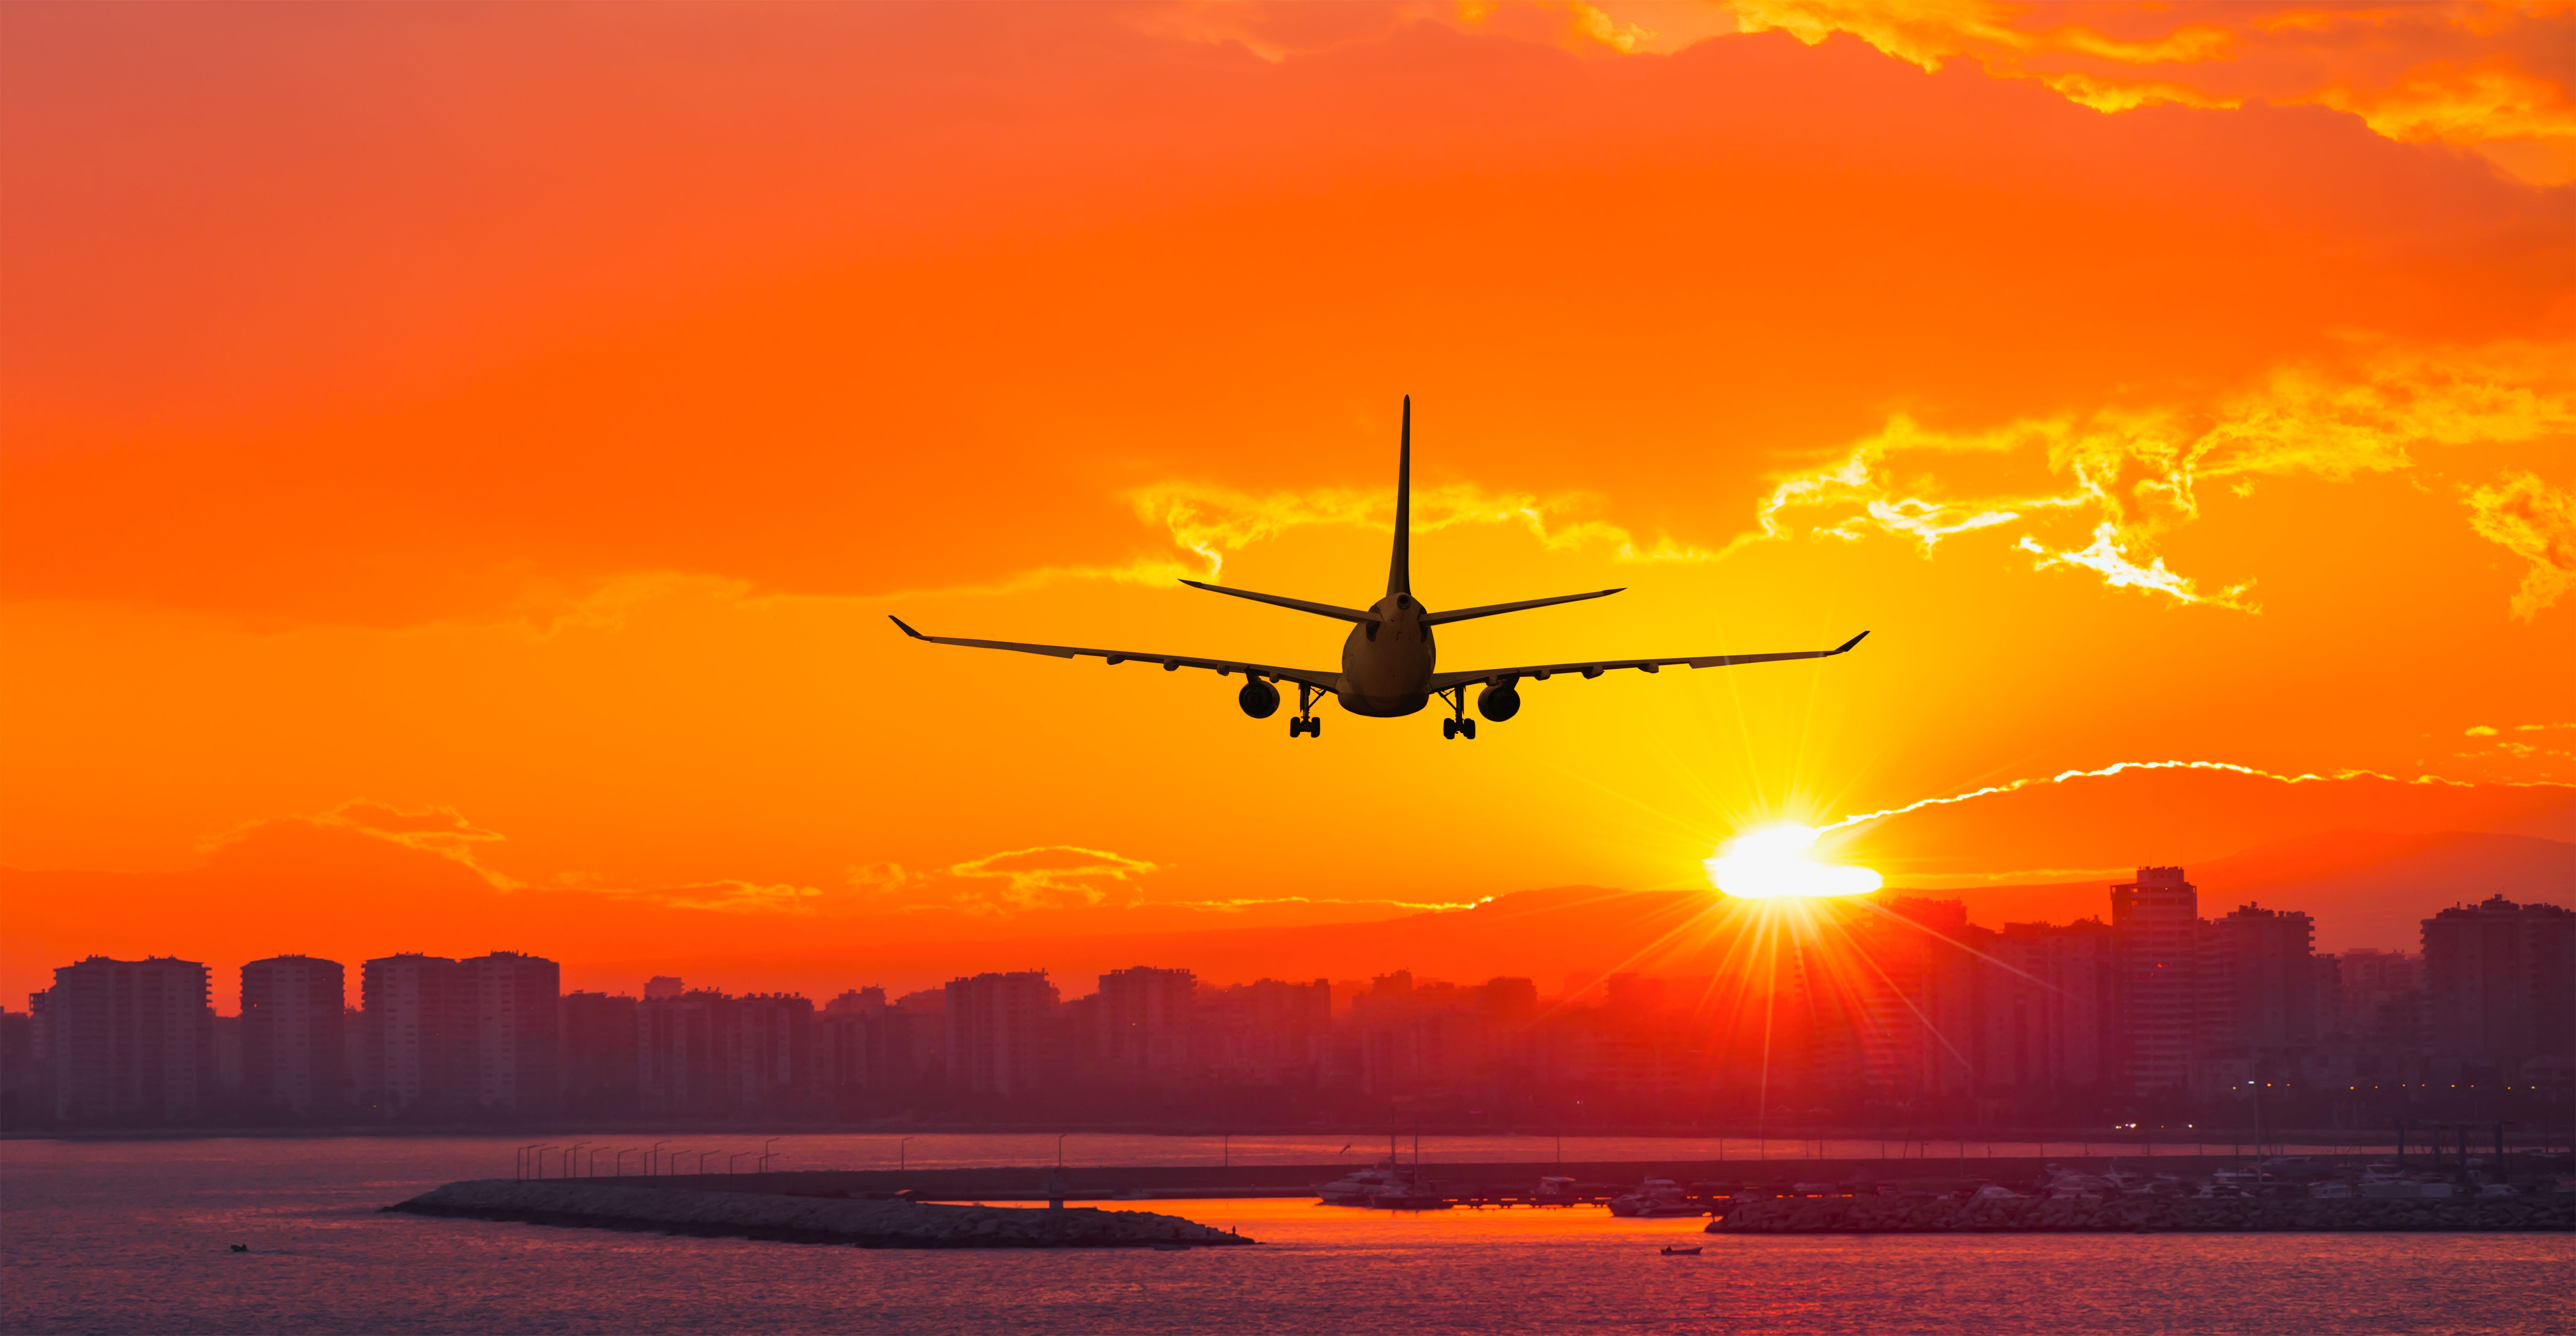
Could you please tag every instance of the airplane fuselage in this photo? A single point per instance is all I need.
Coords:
(1386, 664)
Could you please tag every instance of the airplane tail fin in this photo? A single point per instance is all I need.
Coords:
(1399, 571)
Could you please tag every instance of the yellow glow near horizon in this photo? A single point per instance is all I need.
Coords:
(1772, 863)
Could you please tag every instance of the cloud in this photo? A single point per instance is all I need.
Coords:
(730, 896)
(434, 829)
(2536, 521)
(1250, 903)
(2481, 731)
(1212, 522)
(2473, 75)
(1048, 876)
(2122, 476)
(2122, 767)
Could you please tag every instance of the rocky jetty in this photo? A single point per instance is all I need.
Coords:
(867, 1224)
(2132, 1215)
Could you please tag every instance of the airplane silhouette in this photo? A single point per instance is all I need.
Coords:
(1387, 663)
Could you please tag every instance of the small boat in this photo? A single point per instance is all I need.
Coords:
(1656, 1197)
(1681, 1252)
(1363, 1187)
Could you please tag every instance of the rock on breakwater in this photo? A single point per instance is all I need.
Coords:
(867, 1224)
(2030, 1215)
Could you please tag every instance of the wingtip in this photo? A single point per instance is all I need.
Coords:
(1847, 645)
(907, 629)
(1195, 584)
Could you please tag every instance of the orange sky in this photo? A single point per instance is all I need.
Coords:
(456, 462)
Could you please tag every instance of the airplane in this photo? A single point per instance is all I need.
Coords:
(1388, 661)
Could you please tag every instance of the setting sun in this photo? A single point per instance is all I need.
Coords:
(1773, 862)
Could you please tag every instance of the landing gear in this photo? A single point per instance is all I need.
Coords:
(1306, 723)
(1458, 725)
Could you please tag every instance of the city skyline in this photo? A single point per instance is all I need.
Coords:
(1852, 1012)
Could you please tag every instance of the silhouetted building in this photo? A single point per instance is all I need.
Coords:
(1268, 1032)
(516, 1040)
(684, 1045)
(294, 1059)
(601, 1053)
(1143, 1021)
(998, 1032)
(2378, 996)
(776, 1069)
(417, 1017)
(2048, 1023)
(2258, 979)
(864, 1048)
(131, 1041)
(2500, 989)
(2156, 923)
(22, 1080)
(662, 986)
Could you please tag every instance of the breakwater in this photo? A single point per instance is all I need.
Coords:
(1095, 1182)
(2131, 1215)
(807, 1219)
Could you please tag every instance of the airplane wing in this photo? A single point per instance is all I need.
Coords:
(1542, 672)
(1316, 678)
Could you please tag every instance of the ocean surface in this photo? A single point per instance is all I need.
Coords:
(136, 1236)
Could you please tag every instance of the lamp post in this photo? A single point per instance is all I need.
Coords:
(595, 1153)
(1059, 1148)
(900, 1147)
(617, 1169)
(765, 1153)
(653, 1158)
(1225, 1151)
(519, 1162)
(703, 1156)
(568, 1160)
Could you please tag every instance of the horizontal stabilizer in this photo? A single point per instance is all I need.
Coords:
(1491, 609)
(1299, 604)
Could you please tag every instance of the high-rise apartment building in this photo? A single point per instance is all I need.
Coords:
(2258, 981)
(685, 1053)
(2048, 1020)
(999, 1032)
(1144, 1020)
(294, 1059)
(2500, 987)
(601, 1051)
(774, 1048)
(515, 1043)
(2155, 921)
(2377, 994)
(416, 1018)
(131, 1041)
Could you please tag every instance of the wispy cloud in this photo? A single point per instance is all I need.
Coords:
(1050, 875)
(2123, 767)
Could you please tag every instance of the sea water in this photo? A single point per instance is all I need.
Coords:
(136, 1236)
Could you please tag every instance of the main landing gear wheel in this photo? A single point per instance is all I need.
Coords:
(1307, 725)
(1458, 728)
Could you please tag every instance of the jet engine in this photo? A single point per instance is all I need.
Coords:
(1258, 699)
(1498, 702)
